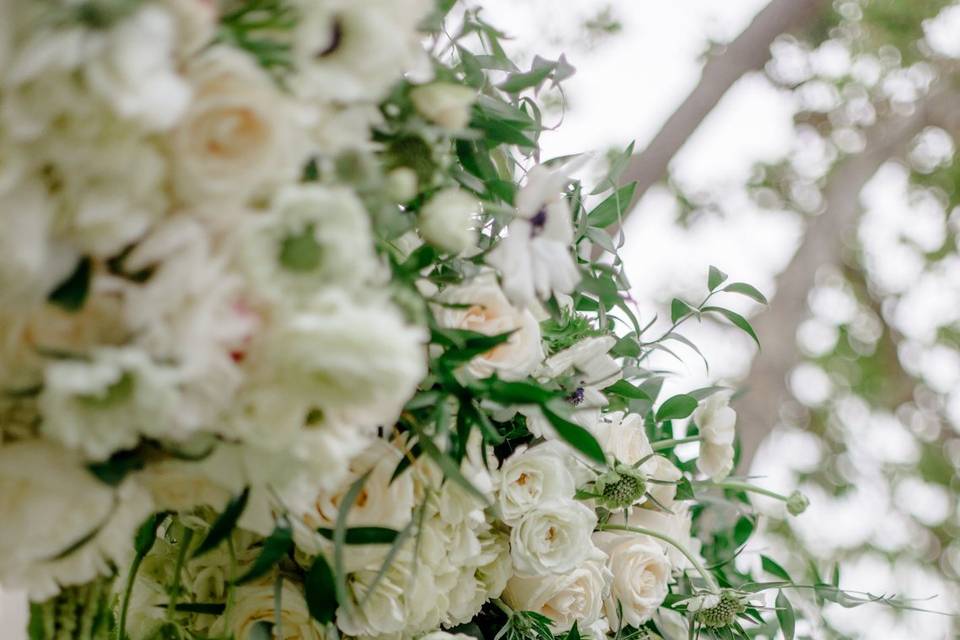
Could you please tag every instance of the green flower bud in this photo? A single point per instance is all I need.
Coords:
(724, 613)
(797, 503)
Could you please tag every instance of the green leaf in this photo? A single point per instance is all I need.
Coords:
(676, 407)
(450, 468)
(208, 608)
(678, 309)
(517, 82)
(785, 616)
(36, 629)
(114, 470)
(627, 390)
(72, 292)
(743, 530)
(146, 535)
(576, 436)
(611, 210)
(224, 523)
(516, 392)
(737, 320)
(574, 633)
(715, 278)
(473, 347)
(320, 591)
(274, 549)
(363, 535)
(770, 566)
(745, 289)
(684, 489)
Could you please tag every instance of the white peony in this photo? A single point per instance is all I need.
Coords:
(444, 103)
(240, 135)
(553, 537)
(313, 237)
(61, 526)
(448, 220)
(576, 595)
(489, 312)
(255, 603)
(535, 259)
(106, 403)
(531, 477)
(641, 573)
(716, 421)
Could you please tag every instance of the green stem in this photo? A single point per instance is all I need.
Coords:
(746, 486)
(503, 606)
(178, 570)
(667, 444)
(127, 593)
(709, 579)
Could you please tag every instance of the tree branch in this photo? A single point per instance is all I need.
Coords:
(823, 244)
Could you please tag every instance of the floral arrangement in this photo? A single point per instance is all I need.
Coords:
(300, 339)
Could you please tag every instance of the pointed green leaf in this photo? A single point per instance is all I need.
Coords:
(363, 535)
(611, 210)
(745, 289)
(770, 566)
(275, 547)
(676, 407)
(786, 616)
(678, 309)
(72, 292)
(715, 278)
(224, 523)
(320, 591)
(627, 390)
(737, 320)
(576, 436)
(517, 82)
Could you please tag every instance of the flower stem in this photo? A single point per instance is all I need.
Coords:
(746, 486)
(178, 570)
(667, 444)
(707, 577)
(500, 604)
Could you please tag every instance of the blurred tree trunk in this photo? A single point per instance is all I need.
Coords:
(748, 52)
(823, 244)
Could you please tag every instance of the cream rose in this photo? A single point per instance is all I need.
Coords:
(255, 603)
(574, 596)
(641, 571)
(239, 134)
(675, 526)
(554, 537)
(447, 220)
(489, 312)
(529, 478)
(716, 421)
(444, 103)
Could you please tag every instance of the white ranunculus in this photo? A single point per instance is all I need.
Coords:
(49, 503)
(346, 51)
(676, 526)
(448, 220)
(535, 259)
(358, 362)
(313, 237)
(529, 478)
(106, 403)
(444, 103)
(135, 72)
(641, 572)
(553, 537)
(239, 136)
(491, 313)
(577, 595)
(255, 603)
(716, 420)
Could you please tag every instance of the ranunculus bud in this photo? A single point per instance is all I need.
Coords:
(444, 103)
(402, 184)
(797, 503)
(447, 220)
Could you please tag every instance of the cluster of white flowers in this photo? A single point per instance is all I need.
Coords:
(247, 296)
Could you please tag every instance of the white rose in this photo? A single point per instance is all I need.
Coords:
(444, 103)
(357, 362)
(529, 478)
(447, 220)
(553, 537)
(254, 603)
(576, 595)
(641, 571)
(716, 421)
(239, 136)
(675, 526)
(491, 313)
(50, 502)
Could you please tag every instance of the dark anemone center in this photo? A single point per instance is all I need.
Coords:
(576, 398)
(538, 222)
(336, 39)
